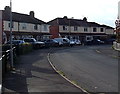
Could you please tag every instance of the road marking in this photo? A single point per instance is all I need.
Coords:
(48, 57)
(98, 51)
(115, 56)
(0, 89)
(108, 55)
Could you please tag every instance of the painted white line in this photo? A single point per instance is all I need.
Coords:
(98, 51)
(0, 89)
(48, 57)
(2, 57)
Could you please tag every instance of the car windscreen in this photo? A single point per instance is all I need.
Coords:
(65, 40)
(54, 41)
(15, 42)
(29, 40)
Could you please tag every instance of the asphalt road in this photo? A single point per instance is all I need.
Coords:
(34, 74)
(90, 68)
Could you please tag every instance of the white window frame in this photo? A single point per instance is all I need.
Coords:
(24, 26)
(12, 24)
(75, 28)
(85, 29)
(65, 28)
(36, 27)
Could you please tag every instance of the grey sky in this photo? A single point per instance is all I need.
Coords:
(100, 11)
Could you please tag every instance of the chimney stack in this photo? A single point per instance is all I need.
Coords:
(85, 19)
(7, 9)
(65, 17)
(32, 14)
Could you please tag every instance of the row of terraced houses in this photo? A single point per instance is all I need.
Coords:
(24, 25)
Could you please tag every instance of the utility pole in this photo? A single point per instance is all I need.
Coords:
(117, 22)
(69, 29)
(70, 19)
(11, 49)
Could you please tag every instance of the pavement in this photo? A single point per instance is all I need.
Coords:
(116, 46)
(33, 73)
(109, 51)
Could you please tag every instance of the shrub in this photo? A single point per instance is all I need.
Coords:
(25, 48)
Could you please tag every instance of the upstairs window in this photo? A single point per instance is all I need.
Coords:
(94, 29)
(12, 25)
(85, 29)
(75, 28)
(45, 27)
(35, 27)
(101, 29)
(64, 28)
(24, 27)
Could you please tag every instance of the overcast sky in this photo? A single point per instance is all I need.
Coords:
(100, 11)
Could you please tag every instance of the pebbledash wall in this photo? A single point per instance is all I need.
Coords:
(80, 29)
(27, 30)
(26, 27)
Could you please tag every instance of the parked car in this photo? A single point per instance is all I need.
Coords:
(109, 41)
(97, 41)
(36, 44)
(16, 42)
(51, 43)
(63, 41)
(94, 42)
(72, 43)
(76, 41)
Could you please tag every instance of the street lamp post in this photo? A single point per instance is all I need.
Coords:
(11, 49)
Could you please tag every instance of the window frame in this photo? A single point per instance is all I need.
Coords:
(101, 29)
(12, 24)
(35, 26)
(75, 28)
(85, 29)
(24, 26)
(94, 29)
(45, 27)
(65, 28)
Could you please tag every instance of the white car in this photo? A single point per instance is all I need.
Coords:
(76, 41)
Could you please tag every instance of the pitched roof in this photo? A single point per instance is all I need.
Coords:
(107, 27)
(75, 22)
(18, 17)
(63, 21)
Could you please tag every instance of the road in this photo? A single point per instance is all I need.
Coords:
(33, 74)
(89, 67)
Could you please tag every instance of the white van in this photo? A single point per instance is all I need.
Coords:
(63, 41)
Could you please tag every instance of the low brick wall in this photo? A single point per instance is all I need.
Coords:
(116, 46)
